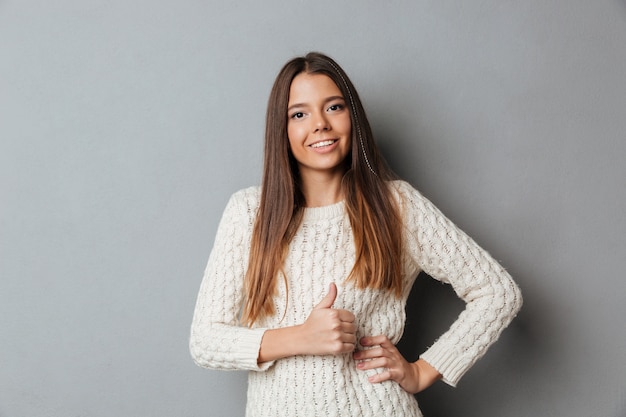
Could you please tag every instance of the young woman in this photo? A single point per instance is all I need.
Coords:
(309, 275)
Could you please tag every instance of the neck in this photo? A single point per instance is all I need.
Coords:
(322, 189)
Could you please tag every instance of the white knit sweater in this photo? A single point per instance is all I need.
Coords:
(323, 252)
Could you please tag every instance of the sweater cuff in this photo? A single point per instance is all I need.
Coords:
(249, 347)
(450, 364)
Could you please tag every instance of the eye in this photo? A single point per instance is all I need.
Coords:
(335, 107)
(297, 115)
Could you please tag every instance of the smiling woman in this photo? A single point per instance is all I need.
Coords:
(307, 283)
(319, 131)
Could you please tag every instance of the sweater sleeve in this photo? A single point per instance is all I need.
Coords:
(217, 339)
(447, 254)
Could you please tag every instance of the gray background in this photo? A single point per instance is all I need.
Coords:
(125, 126)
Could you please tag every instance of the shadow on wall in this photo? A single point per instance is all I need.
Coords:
(500, 384)
(495, 384)
(431, 308)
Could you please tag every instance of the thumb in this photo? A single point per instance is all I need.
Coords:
(327, 302)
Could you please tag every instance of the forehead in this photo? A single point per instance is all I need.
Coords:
(310, 87)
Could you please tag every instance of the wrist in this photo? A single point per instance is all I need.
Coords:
(280, 343)
(428, 375)
(295, 341)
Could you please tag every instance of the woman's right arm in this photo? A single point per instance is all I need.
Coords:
(219, 341)
(327, 331)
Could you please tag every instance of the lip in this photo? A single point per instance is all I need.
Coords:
(324, 149)
(323, 140)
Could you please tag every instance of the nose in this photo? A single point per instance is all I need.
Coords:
(320, 122)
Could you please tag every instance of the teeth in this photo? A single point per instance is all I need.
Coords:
(324, 143)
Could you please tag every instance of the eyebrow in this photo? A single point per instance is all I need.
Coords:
(326, 100)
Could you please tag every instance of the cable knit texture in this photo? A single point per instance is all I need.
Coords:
(323, 252)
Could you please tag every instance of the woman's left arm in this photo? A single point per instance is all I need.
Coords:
(446, 253)
(491, 296)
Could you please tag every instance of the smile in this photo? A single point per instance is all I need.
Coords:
(323, 143)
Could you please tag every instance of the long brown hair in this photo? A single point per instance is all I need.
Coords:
(371, 208)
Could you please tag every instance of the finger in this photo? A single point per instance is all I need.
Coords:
(381, 340)
(376, 363)
(348, 332)
(329, 299)
(350, 339)
(370, 354)
(382, 376)
(348, 347)
(349, 328)
(347, 316)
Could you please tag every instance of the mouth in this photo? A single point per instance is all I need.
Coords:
(323, 143)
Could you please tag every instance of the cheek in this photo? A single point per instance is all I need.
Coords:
(291, 135)
(297, 133)
(346, 124)
(295, 138)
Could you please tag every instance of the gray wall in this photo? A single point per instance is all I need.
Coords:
(125, 126)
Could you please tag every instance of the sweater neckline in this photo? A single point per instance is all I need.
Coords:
(324, 212)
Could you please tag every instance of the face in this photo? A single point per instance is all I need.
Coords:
(318, 127)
